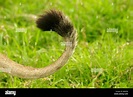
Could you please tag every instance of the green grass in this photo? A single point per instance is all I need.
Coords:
(102, 59)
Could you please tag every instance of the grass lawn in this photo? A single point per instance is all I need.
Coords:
(103, 57)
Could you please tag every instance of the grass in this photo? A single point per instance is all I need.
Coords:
(103, 57)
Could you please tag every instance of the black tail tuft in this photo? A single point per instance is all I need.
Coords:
(55, 21)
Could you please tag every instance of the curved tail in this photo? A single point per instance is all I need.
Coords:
(51, 20)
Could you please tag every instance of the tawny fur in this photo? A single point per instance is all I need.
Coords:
(52, 20)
